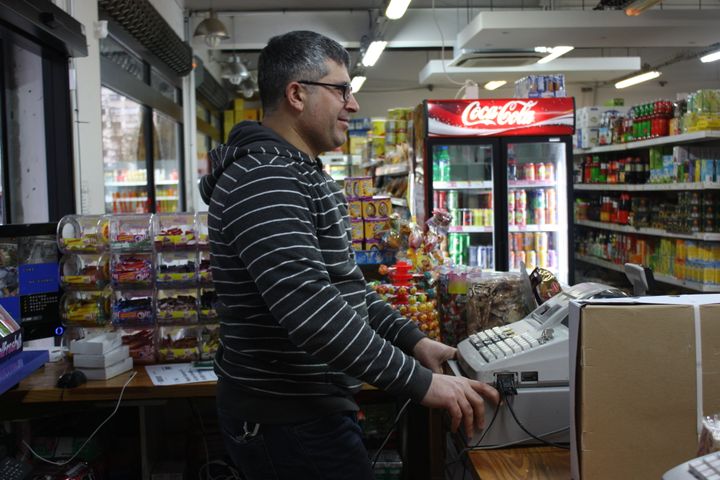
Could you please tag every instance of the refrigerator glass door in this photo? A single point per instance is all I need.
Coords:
(166, 133)
(462, 184)
(537, 207)
(123, 154)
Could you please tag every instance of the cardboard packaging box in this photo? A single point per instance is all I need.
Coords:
(643, 372)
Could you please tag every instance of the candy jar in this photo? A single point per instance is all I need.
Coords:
(178, 344)
(175, 268)
(84, 272)
(207, 298)
(201, 229)
(204, 271)
(132, 307)
(130, 232)
(174, 231)
(82, 233)
(133, 270)
(176, 305)
(84, 308)
(209, 341)
(141, 343)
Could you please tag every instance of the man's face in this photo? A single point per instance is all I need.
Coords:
(327, 115)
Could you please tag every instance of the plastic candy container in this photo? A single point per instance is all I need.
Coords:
(176, 306)
(174, 230)
(209, 341)
(84, 272)
(83, 309)
(178, 344)
(132, 270)
(82, 233)
(132, 307)
(204, 272)
(141, 342)
(201, 230)
(175, 268)
(131, 232)
(206, 309)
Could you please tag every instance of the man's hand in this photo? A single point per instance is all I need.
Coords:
(462, 398)
(432, 354)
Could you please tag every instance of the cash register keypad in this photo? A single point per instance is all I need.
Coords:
(707, 467)
(500, 342)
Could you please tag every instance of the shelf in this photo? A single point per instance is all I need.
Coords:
(469, 229)
(534, 184)
(136, 199)
(532, 228)
(463, 185)
(655, 232)
(140, 183)
(648, 187)
(399, 202)
(705, 135)
(392, 169)
(670, 280)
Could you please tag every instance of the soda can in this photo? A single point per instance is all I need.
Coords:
(456, 217)
(541, 241)
(442, 199)
(529, 172)
(539, 216)
(540, 171)
(482, 257)
(436, 199)
(550, 198)
(531, 258)
(542, 258)
(552, 259)
(452, 199)
(520, 199)
(528, 241)
(478, 218)
(473, 255)
(511, 261)
(520, 257)
(549, 171)
(467, 217)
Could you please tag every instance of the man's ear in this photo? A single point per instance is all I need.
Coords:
(296, 96)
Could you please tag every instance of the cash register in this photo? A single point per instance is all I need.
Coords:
(532, 354)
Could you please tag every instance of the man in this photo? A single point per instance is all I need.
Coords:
(300, 329)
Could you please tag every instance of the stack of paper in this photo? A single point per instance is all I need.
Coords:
(102, 356)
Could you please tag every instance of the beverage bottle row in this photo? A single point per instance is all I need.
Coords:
(600, 169)
(530, 171)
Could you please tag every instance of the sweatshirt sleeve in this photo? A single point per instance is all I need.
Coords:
(388, 323)
(270, 221)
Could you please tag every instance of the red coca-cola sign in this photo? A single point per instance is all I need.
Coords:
(514, 116)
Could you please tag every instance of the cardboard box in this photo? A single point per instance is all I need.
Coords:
(101, 361)
(643, 372)
(96, 344)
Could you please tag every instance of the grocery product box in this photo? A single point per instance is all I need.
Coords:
(10, 335)
(376, 207)
(643, 372)
(358, 187)
(98, 344)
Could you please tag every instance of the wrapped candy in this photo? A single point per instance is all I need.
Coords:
(496, 299)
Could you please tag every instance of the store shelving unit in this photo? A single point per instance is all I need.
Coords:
(635, 148)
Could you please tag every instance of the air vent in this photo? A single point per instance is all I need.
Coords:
(495, 58)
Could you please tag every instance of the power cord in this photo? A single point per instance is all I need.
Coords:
(60, 464)
(392, 429)
(542, 440)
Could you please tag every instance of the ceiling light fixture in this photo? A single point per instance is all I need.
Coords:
(710, 57)
(554, 53)
(396, 9)
(357, 82)
(639, 6)
(235, 70)
(212, 31)
(494, 84)
(639, 78)
(373, 52)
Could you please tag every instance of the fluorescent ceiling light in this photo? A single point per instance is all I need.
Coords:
(373, 52)
(357, 82)
(555, 52)
(710, 57)
(639, 6)
(494, 84)
(396, 9)
(642, 77)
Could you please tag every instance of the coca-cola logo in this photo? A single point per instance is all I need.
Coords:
(515, 112)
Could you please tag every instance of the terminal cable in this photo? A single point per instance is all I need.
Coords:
(65, 462)
(392, 429)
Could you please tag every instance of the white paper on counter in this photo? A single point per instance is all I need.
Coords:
(178, 374)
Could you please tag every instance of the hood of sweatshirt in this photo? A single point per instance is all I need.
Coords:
(247, 138)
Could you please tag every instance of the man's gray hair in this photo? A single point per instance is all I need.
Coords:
(298, 55)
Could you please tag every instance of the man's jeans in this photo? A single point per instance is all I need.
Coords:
(327, 448)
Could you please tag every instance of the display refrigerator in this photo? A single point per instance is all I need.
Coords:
(501, 168)
(142, 157)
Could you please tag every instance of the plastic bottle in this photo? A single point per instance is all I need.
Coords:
(443, 159)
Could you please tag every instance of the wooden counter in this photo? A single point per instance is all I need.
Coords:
(522, 463)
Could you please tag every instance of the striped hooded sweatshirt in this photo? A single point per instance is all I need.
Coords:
(300, 329)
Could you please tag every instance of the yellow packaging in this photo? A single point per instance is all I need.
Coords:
(251, 114)
(358, 187)
(357, 145)
(356, 230)
(374, 228)
(239, 104)
(378, 126)
(376, 207)
(229, 117)
(355, 209)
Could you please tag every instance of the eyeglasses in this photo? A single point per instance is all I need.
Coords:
(345, 87)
